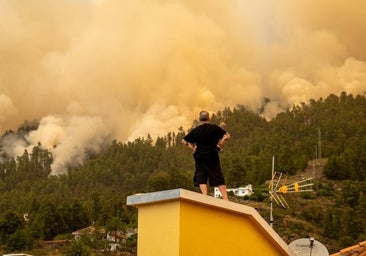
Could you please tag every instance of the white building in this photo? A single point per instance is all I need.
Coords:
(241, 191)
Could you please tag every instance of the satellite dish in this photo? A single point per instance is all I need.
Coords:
(308, 247)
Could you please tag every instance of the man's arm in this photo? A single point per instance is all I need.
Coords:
(223, 140)
(189, 145)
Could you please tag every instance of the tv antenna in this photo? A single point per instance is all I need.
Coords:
(308, 247)
(277, 189)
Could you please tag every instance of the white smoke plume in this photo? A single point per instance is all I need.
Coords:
(92, 70)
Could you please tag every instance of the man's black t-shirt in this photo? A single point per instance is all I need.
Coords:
(205, 136)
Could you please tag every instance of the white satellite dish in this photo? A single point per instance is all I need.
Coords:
(308, 247)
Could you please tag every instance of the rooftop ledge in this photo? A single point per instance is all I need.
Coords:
(200, 200)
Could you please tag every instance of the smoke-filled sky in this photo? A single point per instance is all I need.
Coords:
(93, 70)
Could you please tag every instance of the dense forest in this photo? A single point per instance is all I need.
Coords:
(331, 129)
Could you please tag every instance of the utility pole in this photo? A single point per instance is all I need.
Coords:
(319, 144)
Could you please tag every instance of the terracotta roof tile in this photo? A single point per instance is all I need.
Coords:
(355, 250)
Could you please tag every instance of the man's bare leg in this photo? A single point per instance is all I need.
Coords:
(203, 188)
(223, 192)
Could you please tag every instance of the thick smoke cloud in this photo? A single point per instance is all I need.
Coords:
(95, 70)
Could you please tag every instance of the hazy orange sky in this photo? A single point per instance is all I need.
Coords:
(92, 70)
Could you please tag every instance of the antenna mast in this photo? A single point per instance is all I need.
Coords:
(271, 199)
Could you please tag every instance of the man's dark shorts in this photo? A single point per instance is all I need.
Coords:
(208, 168)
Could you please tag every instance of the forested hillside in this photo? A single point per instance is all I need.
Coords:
(330, 130)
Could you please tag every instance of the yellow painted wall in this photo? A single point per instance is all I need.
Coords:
(211, 231)
(158, 229)
(184, 223)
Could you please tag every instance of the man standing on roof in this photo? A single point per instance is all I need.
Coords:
(206, 141)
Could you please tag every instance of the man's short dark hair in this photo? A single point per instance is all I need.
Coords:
(204, 116)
